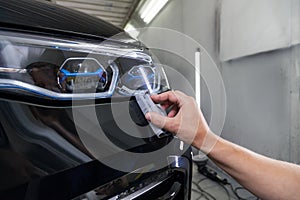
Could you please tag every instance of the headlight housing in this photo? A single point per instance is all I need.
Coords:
(143, 77)
(68, 69)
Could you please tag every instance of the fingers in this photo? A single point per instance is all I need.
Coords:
(166, 105)
(169, 96)
(170, 99)
(161, 121)
(174, 110)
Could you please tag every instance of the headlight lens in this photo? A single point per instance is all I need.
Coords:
(61, 69)
(143, 78)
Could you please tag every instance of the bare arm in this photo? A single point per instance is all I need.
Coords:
(265, 177)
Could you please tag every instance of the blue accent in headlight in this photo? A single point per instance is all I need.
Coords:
(66, 69)
(98, 73)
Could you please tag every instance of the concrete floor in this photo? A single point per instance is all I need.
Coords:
(212, 190)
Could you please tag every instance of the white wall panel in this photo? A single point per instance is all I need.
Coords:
(250, 27)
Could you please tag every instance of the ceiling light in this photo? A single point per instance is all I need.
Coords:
(131, 30)
(150, 9)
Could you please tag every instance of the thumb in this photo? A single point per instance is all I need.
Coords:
(159, 120)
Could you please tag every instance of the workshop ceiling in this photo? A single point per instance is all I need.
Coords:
(117, 12)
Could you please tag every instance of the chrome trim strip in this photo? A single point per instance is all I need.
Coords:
(13, 70)
(139, 192)
(181, 163)
(102, 48)
(178, 163)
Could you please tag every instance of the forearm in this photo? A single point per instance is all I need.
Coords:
(265, 177)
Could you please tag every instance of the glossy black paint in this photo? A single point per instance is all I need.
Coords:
(41, 154)
(48, 16)
(39, 165)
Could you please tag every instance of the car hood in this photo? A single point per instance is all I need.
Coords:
(51, 18)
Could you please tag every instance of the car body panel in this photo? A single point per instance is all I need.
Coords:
(50, 16)
(43, 153)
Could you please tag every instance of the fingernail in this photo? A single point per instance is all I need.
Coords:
(148, 117)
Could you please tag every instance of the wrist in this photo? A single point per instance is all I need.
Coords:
(206, 142)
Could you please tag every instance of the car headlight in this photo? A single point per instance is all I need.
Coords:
(142, 78)
(66, 69)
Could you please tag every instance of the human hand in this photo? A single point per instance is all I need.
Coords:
(185, 119)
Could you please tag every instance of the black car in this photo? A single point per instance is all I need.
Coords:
(70, 127)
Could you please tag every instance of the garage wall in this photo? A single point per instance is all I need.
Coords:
(257, 26)
(262, 90)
